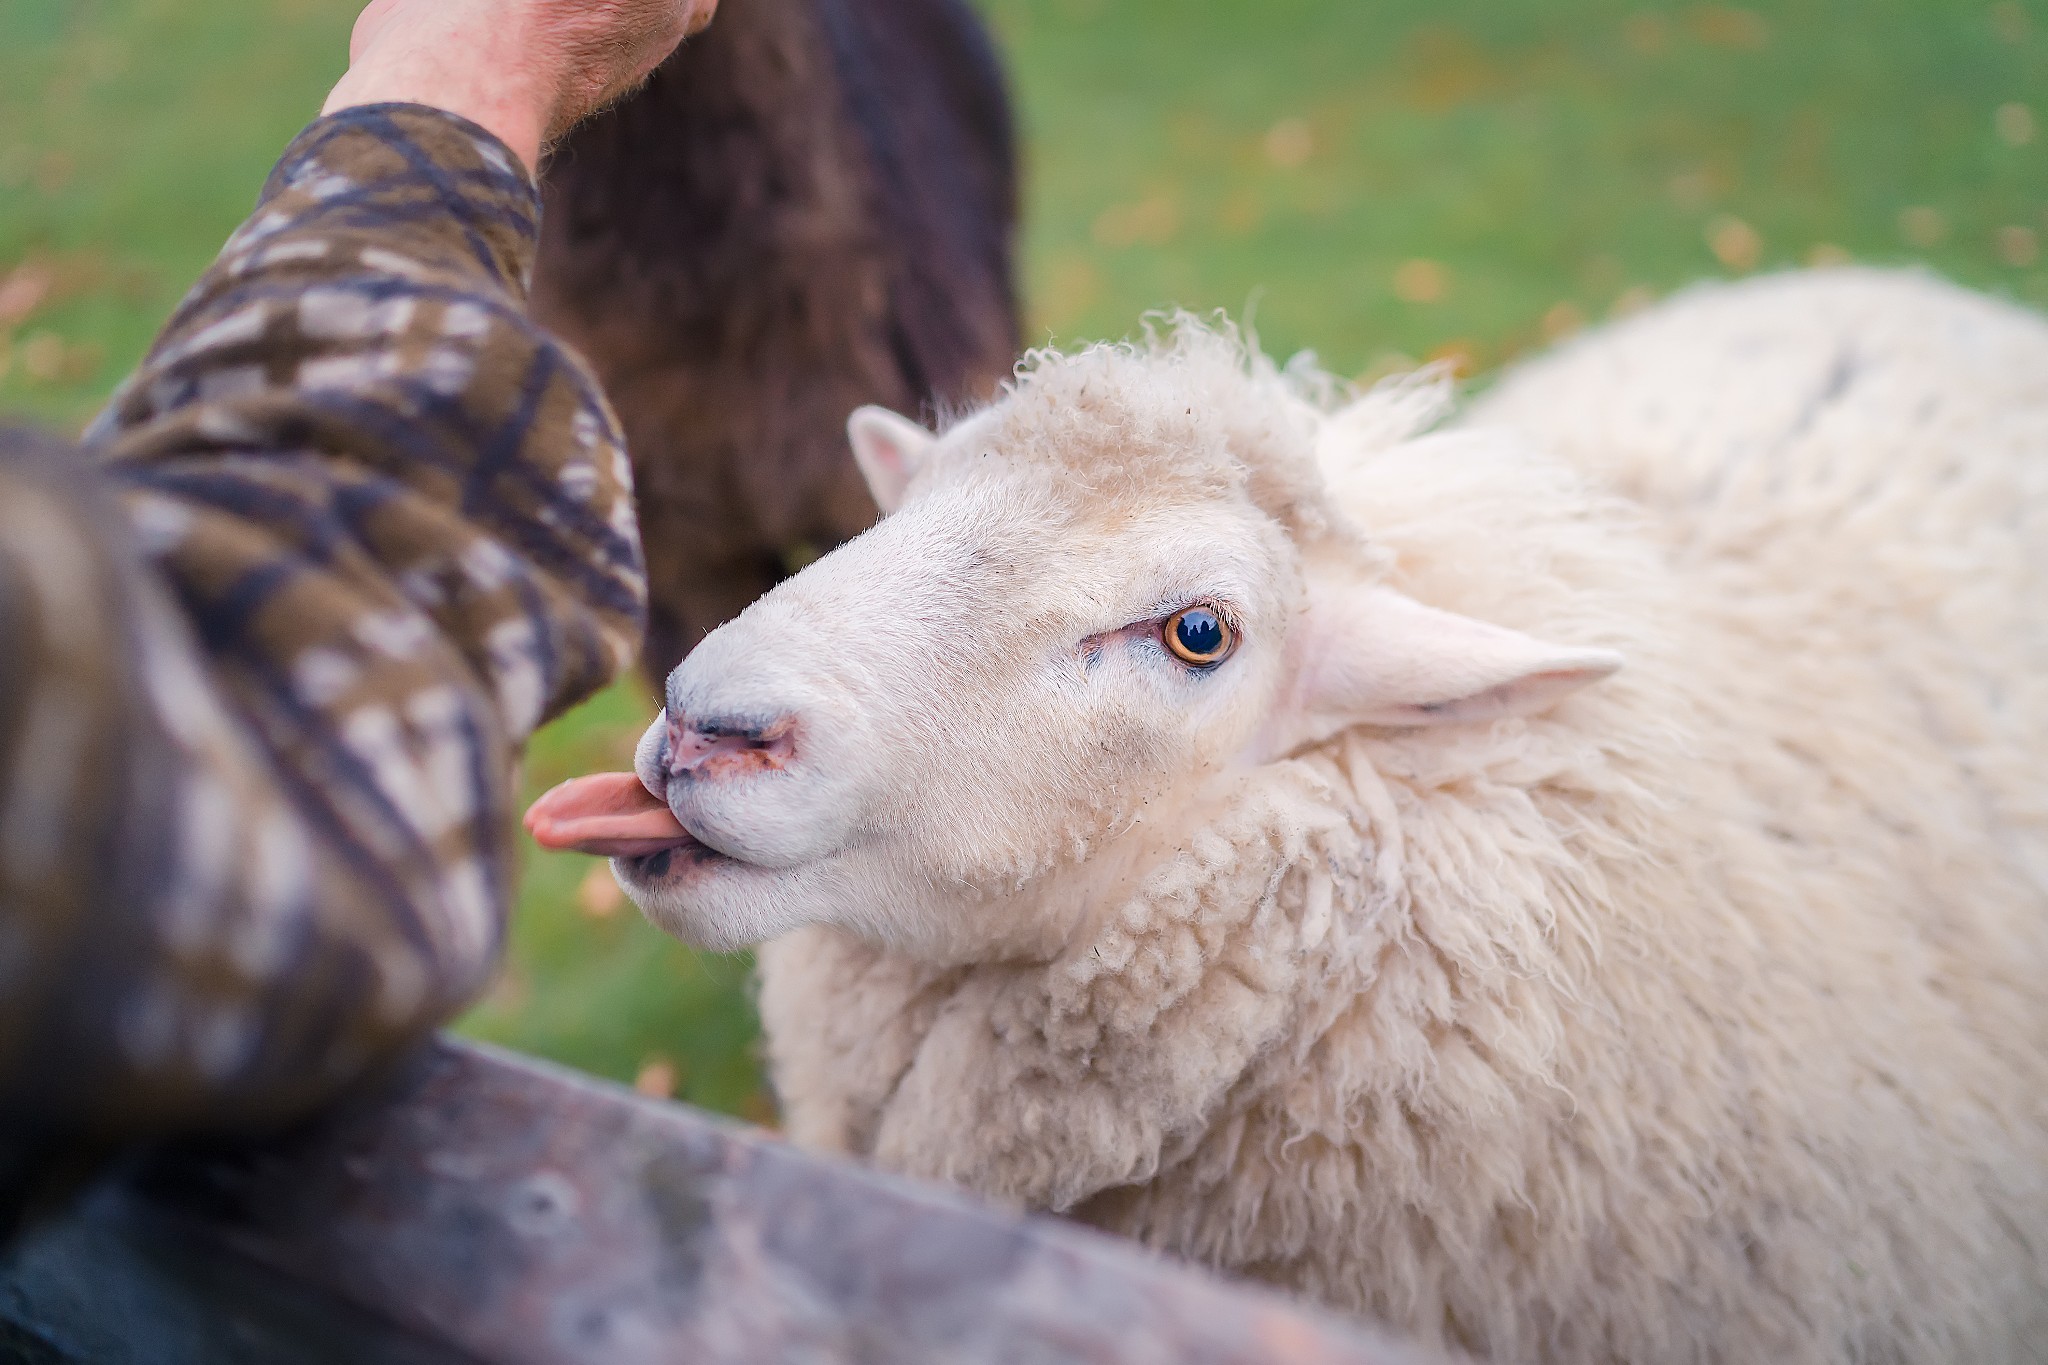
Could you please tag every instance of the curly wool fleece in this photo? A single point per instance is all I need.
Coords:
(1699, 1018)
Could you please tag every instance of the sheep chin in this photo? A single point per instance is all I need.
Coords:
(718, 903)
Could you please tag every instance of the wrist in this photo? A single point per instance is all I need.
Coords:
(436, 57)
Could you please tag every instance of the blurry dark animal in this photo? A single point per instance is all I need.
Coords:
(809, 207)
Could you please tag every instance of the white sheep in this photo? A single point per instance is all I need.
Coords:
(1211, 815)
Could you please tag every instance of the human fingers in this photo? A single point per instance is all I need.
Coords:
(608, 48)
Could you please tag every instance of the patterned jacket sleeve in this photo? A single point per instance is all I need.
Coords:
(352, 531)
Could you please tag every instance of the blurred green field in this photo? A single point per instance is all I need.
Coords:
(1380, 180)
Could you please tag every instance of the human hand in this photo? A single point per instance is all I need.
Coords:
(525, 69)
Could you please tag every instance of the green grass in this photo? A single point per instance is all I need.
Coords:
(1539, 153)
(1380, 180)
(134, 135)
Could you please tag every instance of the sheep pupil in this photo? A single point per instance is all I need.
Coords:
(1199, 632)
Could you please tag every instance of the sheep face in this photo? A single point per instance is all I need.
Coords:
(952, 733)
(1089, 612)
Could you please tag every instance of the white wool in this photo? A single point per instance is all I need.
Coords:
(1699, 1017)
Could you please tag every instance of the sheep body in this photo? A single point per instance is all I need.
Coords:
(1698, 1018)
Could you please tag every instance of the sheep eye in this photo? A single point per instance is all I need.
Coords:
(1197, 636)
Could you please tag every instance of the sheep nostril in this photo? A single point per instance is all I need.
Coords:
(679, 742)
(707, 748)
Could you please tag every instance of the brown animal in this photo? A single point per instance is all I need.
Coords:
(810, 207)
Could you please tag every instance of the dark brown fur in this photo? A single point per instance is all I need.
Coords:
(808, 208)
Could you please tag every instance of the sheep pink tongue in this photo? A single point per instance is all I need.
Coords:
(609, 814)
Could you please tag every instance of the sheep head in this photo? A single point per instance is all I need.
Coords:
(1088, 612)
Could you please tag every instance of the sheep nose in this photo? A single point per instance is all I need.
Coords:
(722, 748)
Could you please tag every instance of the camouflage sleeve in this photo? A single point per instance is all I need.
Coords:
(351, 532)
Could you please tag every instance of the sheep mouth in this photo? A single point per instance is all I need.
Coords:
(662, 863)
(613, 815)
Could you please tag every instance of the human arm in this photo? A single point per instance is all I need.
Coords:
(355, 528)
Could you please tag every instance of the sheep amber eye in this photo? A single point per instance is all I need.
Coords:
(1197, 636)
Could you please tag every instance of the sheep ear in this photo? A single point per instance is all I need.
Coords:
(1372, 656)
(888, 447)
